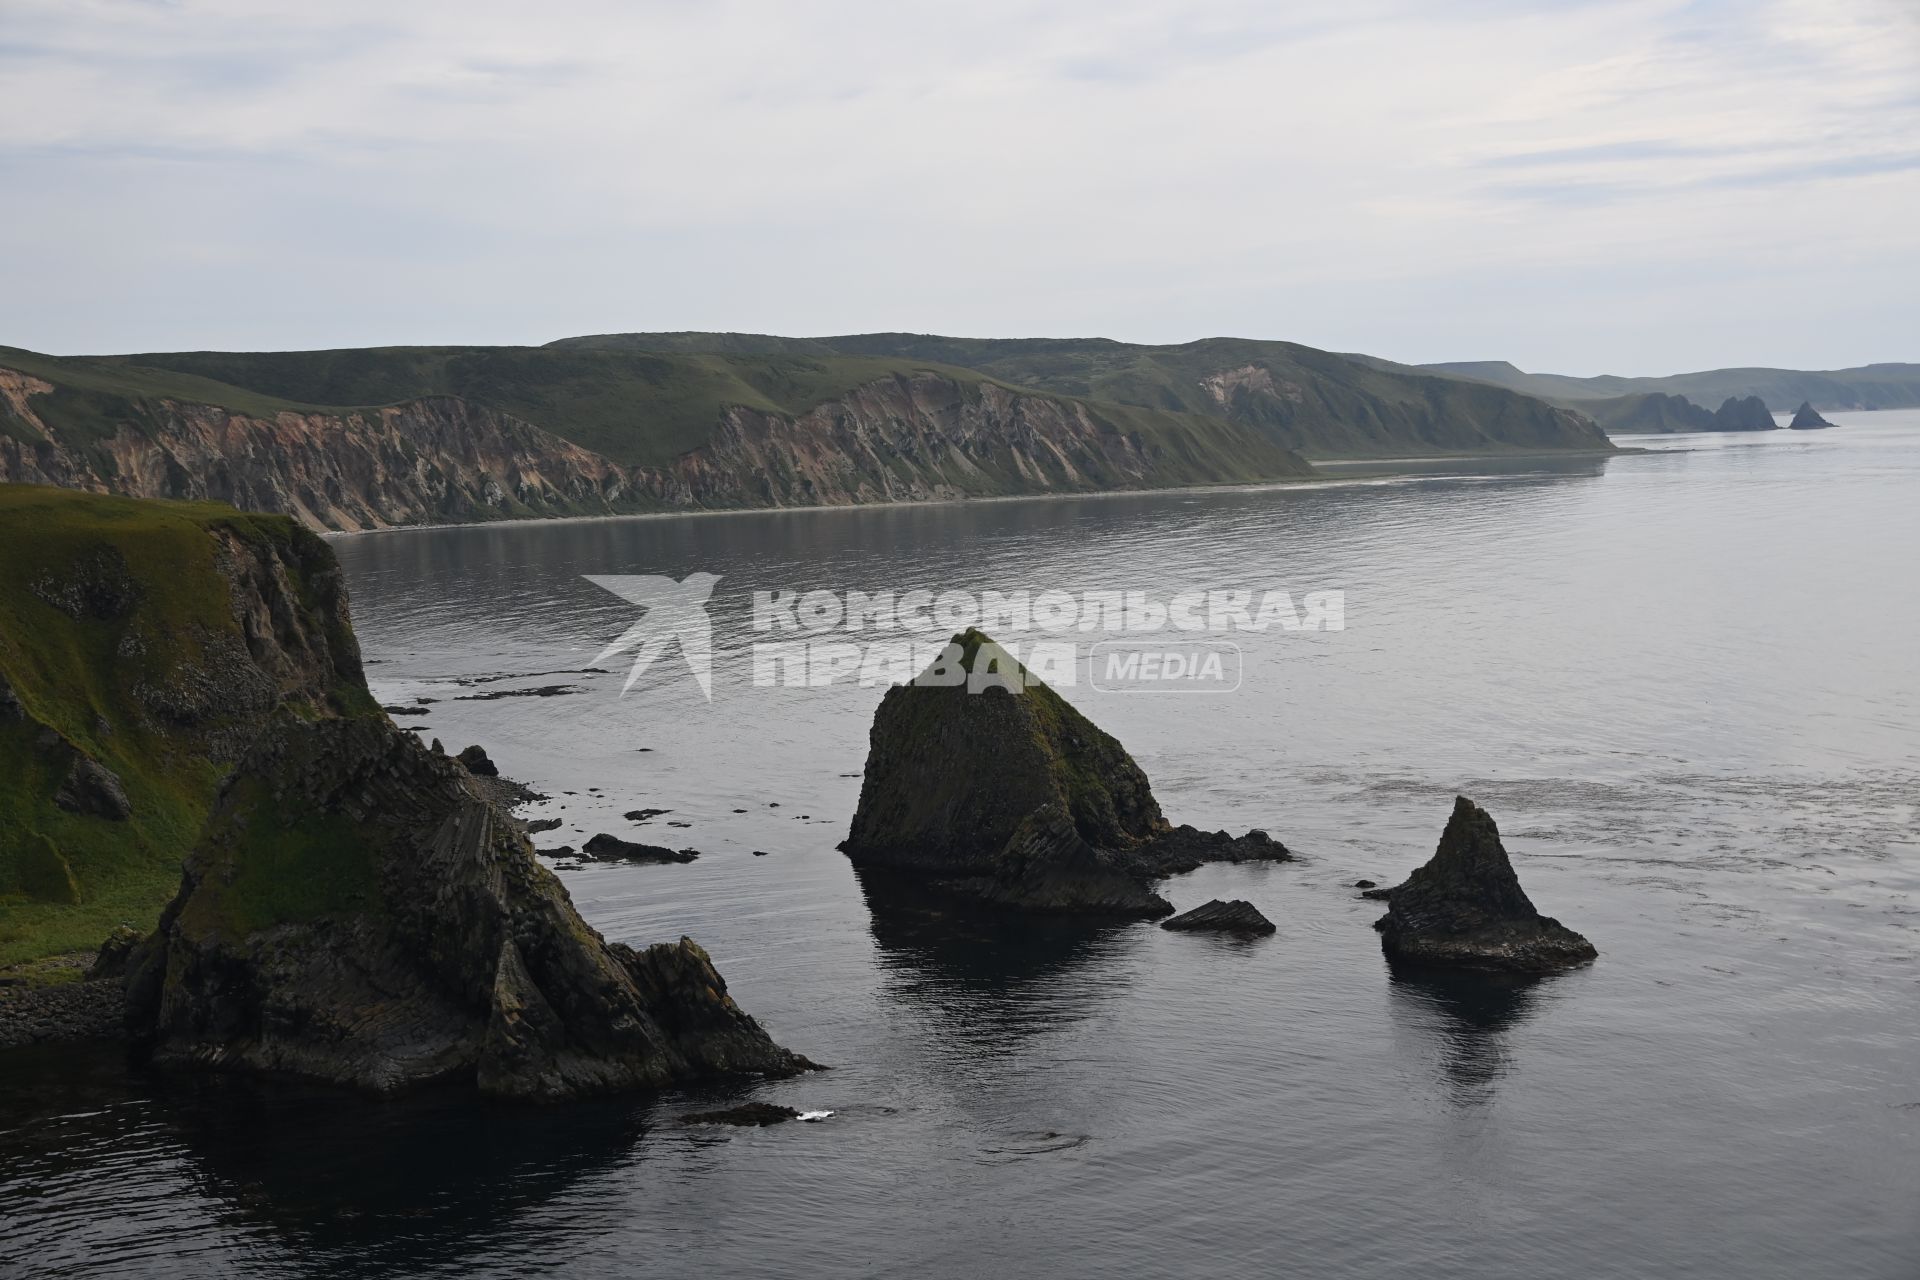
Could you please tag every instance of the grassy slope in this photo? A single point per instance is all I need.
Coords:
(1345, 408)
(72, 674)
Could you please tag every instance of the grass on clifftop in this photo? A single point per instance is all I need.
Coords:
(155, 598)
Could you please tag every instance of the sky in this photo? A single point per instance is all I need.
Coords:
(1629, 186)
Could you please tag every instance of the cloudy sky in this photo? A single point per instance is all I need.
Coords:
(1630, 186)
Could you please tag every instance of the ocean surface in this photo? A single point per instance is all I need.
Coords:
(1685, 681)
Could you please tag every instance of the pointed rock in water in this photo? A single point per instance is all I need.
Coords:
(1806, 419)
(1237, 916)
(987, 781)
(357, 912)
(1465, 908)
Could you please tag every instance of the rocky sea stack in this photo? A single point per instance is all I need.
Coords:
(356, 912)
(1743, 414)
(1465, 908)
(1806, 418)
(983, 780)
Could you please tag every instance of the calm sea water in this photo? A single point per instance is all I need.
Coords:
(1684, 682)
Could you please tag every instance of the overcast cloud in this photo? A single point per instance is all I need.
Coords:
(1640, 186)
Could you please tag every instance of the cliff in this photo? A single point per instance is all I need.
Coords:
(356, 912)
(142, 646)
(892, 435)
(1465, 908)
(983, 780)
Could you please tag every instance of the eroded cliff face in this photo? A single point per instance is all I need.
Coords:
(899, 439)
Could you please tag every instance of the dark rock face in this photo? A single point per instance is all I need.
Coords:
(1749, 414)
(986, 781)
(1465, 908)
(613, 849)
(1237, 916)
(356, 912)
(750, 1114)
(476, 762)
(92, 788)
(115, 953)
(1806, 419)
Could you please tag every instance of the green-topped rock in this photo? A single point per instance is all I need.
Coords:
(357, 912)
(986, 781)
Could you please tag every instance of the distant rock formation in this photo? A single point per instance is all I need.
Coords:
(989, 783)
(1649, 413)
(1749, 414)
(1465, 908)
(1237, 916)
(1805, 418)
(356, 912)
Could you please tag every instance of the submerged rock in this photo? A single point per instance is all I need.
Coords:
(755, 1114)
(1237, 916)
(1465, 908)
(613, 849)
(356, 912)
(1806, 419)
(989, 783)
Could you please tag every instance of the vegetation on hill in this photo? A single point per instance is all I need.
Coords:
(1872, 386)
(1313, 402)
(142, 642)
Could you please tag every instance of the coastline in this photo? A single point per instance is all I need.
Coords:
(1400, 467)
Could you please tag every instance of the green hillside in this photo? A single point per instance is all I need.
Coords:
(121, 647)
(1872, 386)
(1314, 402)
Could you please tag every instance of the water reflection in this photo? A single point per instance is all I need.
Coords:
(988, 978)
(1462, 1019)
(350, 1184)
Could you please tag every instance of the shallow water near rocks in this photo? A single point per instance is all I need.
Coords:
(1683, 681)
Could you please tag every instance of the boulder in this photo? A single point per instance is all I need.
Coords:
(357, 912)
(1237, 916)
(115, 953)
(1806, 419)
(1465, 908)
(93, 789)
(983, 780)
(476, 762)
